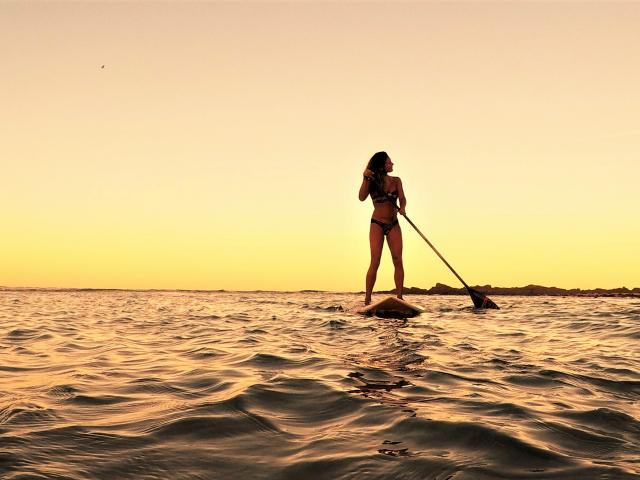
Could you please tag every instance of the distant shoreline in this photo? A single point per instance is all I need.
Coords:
(437, 289)
(529, 291)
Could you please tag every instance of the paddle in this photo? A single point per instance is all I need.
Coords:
(480, 300)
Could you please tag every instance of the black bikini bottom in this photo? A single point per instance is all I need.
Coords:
(386, 227)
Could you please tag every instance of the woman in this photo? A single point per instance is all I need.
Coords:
(384, 190)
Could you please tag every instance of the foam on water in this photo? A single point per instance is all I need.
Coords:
(186, 385)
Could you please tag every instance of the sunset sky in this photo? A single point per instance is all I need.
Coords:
(222, 145)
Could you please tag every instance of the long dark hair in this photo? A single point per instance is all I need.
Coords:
(377, 166)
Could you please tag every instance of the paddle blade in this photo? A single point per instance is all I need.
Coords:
(480, 300)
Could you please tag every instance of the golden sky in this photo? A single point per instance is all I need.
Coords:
(222, 144)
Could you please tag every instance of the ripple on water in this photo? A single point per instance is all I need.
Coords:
(213, 428)
(301, 405)
(577, 442)
(204, 353)
(440, 377)
(20, 413)
(98, 399)
(534, 381)
(607, 421)
(150, 385)
(630, 388)
(22, 334)
(279, 362)
(470, 442)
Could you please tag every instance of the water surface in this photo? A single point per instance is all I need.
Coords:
(217, 385)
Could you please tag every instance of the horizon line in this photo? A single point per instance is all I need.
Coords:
(6, 288)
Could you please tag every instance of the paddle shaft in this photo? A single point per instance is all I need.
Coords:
(435, 250)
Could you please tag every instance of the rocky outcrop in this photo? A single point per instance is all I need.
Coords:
(528, 290)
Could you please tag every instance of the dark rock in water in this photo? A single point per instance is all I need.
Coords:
(403, 452)
(528, 290)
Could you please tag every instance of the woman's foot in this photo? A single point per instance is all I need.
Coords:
(367, 301)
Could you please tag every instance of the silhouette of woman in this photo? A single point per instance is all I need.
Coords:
(384, 191)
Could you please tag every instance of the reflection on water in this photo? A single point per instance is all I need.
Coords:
(113, 384)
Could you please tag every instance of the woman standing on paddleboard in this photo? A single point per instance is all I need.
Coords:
(384, 191)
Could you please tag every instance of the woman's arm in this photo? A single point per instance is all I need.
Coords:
(401, 197)
(364, 188)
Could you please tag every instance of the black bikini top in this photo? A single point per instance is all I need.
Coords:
(386, 197)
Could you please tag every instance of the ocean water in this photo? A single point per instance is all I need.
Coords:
(228, 385)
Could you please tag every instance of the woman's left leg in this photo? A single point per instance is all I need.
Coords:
(376, 242)
(394, 240)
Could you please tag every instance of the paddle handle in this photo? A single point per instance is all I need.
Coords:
(434, 249)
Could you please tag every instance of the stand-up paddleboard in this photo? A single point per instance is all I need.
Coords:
(391, 307)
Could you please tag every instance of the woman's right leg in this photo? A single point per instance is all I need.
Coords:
(376, 241)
